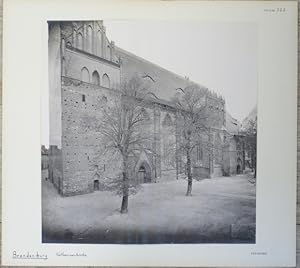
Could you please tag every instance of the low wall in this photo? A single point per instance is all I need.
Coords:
(217, 172)
(55, 167)
(201, 172)
(45, 174)
(168, 175)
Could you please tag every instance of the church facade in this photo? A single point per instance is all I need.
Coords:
(85, 71)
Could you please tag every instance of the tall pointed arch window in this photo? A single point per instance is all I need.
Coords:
(199, 153)
(99, 43)
(89, 46)
(79, 41)
(145, 116)
(96, 78)
(105, 81)
(85, 75)
(167, 122)
(108, 52)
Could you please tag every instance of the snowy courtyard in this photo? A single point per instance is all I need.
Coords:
(220, 210)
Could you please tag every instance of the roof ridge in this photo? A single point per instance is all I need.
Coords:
(156, 65)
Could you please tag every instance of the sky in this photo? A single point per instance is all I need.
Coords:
(220, 56)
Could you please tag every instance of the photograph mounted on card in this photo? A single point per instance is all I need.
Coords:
(144, 154)
(154, 130)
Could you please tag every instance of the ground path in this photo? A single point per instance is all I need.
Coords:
(219, 210)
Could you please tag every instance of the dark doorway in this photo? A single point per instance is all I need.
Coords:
(144, 173)
(141, 174)
(238, 169)
(51, 175)
(96, 185)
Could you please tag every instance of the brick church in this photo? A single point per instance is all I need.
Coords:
(85, 71)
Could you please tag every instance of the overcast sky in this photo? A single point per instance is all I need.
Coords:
(220, 56)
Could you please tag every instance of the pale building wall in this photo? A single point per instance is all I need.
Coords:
(75, 61)
(54, 59)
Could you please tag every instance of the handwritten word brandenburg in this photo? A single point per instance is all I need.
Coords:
(28, 255)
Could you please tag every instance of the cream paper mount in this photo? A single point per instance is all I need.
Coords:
(213, 186)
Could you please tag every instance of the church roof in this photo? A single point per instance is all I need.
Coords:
(165, 82)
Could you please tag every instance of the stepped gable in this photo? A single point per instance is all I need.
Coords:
(232, 125)
(250, 117)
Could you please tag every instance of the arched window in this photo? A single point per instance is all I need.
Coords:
(145, 116)
(105, 81)
(99, 43)
(85, 75)
(89, 39)
(167, 122)
(104, 100)
(199, 153)
(74, 37)
(79, 42)
(96, 78)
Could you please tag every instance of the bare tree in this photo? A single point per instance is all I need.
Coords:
(251, 141)
(193, 123)
(120, 128)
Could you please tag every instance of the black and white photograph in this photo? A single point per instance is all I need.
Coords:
(149, 132)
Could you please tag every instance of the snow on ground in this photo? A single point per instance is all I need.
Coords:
(159, 210)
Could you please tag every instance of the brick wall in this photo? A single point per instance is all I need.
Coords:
(201, 172)
(82, 145)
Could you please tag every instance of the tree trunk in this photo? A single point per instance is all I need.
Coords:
(189, 167)
(255, 166)
(252, 160)
(124, 206)
(125, 186)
